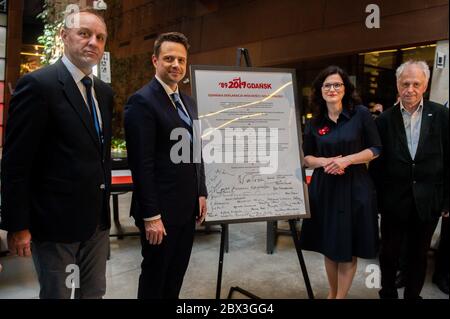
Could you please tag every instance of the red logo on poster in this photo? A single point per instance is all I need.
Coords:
(237, 83)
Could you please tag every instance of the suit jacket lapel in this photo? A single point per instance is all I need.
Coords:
(427, 118)
(196, 128)
(400, 131)
(167, 105)
(75, 98)
(196, 138)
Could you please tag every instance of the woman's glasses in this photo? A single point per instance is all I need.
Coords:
(336, 86)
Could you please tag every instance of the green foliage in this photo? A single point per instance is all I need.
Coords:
(118, 145)
(50, 38)
(118, 148)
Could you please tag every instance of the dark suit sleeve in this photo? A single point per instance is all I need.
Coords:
(309, 141)
(376, 167)
(202, 183)
(371, 137)
(202, 189)
(140, 135)
(28, 115)
(445, 145)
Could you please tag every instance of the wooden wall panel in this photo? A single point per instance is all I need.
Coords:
(429, 26)
(276, 33)
(286, 30)
(13, 47)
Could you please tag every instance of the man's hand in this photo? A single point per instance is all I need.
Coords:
(202, 209)
(154, 231)
(19, 243)
(444, 214)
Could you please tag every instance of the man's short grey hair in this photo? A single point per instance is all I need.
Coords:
(421, 64)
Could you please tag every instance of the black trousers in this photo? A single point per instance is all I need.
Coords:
(87, 267)
(163, 266)
(442, 266)
(418, 236)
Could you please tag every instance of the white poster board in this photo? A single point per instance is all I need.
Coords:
(250, 143)
(103, 69)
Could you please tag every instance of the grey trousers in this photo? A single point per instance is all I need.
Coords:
(76, 270)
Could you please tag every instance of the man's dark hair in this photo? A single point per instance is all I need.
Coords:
(318, 104)
(170, 37)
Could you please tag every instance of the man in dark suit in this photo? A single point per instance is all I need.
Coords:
(412, 178)
(169, 194)
(55, 172)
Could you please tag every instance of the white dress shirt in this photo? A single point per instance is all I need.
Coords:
(412, 122)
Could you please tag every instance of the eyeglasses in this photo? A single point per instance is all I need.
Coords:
(336, 86)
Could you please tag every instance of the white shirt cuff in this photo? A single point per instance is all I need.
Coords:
(152, 218)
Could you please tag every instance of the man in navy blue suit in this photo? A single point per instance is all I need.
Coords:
(56, 167)
(169, 196)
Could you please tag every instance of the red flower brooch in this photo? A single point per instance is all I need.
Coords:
(324, 130)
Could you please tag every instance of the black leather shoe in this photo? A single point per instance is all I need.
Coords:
(442, 282)
(400, 280)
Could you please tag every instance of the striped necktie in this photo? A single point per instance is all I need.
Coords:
(187, 122)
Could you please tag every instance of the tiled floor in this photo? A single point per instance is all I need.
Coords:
(246, 265)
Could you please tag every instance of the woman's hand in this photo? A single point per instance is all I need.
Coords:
(337, 165)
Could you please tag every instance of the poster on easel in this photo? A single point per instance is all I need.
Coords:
(251, 143)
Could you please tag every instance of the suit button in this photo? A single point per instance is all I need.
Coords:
(414, 182)
(413, 165)
(102, 186)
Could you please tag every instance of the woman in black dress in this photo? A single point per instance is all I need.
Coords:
(338, 143)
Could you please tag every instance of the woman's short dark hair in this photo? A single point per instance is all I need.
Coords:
(170, 37)
(318, 104)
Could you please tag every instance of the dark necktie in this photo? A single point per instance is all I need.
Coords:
(187, 123)
(87, 82)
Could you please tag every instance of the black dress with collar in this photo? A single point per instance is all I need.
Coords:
(343, 219)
